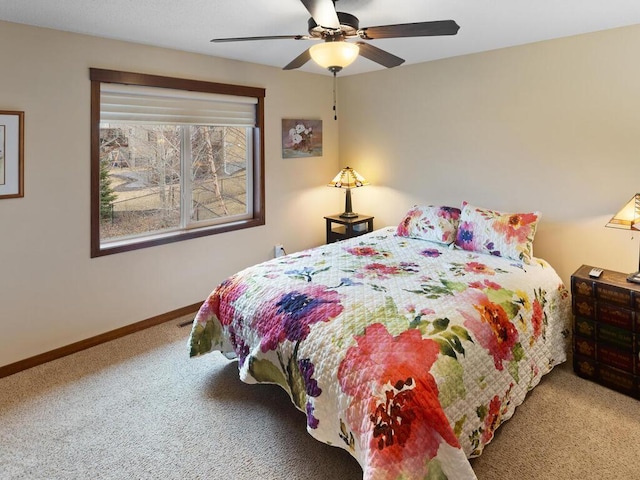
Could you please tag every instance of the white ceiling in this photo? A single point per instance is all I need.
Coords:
(189, 25)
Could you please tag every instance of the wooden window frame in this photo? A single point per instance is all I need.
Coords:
(98, 76)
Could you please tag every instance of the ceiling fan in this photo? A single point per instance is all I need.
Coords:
(335, 27)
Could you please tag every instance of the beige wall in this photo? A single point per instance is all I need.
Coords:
(51, 293)
(552, 126)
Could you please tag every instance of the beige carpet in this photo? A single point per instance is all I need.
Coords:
(139, 408)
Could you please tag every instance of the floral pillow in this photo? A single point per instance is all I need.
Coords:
(502, 234)
(436, 224)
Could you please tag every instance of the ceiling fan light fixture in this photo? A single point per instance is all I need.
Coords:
(334, 55)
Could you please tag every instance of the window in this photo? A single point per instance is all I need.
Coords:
(172, 159)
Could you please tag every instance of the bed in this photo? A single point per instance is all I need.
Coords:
(407, 346)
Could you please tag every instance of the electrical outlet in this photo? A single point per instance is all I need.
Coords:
(278, 251)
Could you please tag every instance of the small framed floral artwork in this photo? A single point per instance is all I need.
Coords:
(301, 138)
(11, 154)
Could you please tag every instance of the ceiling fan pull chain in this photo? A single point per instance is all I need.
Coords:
(335, 86)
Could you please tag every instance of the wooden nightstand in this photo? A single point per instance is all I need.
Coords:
(606, 329)
(345, 227)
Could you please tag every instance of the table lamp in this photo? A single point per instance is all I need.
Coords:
(629, 219)
(348, 178)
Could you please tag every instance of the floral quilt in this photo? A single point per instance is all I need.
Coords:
(407, 353)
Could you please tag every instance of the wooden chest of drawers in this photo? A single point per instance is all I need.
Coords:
(606, 329)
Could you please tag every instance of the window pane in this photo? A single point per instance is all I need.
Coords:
(220, 165)
(139, 179)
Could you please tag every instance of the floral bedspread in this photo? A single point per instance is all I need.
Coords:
(406, 353)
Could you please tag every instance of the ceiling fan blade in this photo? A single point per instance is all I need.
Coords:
(378, 55)
(270, 37)
(299, 61)
(323, 12)
(420, 29)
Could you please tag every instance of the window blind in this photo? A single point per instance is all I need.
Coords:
(132, 103)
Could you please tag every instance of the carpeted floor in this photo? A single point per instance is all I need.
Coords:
(140, 408)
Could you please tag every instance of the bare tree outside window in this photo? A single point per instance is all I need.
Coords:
(144, 175)
(219, 172)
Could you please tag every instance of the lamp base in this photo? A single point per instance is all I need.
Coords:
(634, 278)
(348, 211)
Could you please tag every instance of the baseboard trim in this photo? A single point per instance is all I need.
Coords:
(31, 362)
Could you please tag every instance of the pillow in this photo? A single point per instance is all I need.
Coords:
(436, 224)
(503, 234)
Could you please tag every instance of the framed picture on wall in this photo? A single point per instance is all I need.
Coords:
(11, 154)
(301, 138)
